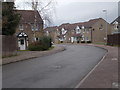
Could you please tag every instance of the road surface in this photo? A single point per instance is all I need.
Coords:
(61, 70)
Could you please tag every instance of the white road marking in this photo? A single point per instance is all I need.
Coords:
(79, 84)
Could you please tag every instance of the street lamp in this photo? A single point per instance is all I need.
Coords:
(105, 11)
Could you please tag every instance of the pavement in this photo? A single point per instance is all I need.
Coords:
(105, 73)
(25, 55)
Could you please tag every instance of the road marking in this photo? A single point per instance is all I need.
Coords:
(79, 84)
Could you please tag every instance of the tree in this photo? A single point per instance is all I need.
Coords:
(46, 8)
(10, 19)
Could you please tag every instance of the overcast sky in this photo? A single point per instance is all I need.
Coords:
(72, 11)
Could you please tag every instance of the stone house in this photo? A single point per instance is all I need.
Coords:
(53, 33)
(94, 30)
(30, 28)
(64, 33)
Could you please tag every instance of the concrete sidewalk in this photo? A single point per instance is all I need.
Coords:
(25, 55)
(105, 74)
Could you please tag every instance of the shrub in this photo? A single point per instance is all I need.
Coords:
(43, 44)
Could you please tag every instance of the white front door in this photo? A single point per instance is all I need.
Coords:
(72, 39)
(22, 44)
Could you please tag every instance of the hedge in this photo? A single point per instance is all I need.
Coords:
(44, 43)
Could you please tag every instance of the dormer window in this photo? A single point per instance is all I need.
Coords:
(78, 30)
(116, 25)
(63, 31)
(21, 27)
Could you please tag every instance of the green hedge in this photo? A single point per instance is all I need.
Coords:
(44, 43)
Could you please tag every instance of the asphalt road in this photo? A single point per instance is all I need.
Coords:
(61, 70)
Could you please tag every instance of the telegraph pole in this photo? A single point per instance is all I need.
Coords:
(105, 11)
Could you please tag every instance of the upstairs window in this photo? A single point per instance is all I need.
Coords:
(63, 31)
(34, 27)
(47, 33)
(21, 27)
(101, 27)
(78, 30)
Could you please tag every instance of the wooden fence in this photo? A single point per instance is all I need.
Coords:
(114, 39)
(9, 45)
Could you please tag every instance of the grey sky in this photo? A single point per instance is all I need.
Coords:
(77, 11)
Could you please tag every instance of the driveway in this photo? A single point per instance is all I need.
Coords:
(60, 70)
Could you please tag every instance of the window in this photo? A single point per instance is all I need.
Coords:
(34, 27)
(63, 31)
(116, 27)
(101, 27)
(21, 27)
(37, 38)
(47, 33)
(78, 31)
(22, 41)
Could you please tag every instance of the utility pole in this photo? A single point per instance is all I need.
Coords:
(105, 11)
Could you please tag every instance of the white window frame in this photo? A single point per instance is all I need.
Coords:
(63, 31)
(78, 30)
(34, 27)
(21, 27)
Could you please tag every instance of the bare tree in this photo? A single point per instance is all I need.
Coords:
(46, 8)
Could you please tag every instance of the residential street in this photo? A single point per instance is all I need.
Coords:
(60, 70)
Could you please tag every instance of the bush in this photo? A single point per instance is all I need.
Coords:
(82, 41)
(43, 44)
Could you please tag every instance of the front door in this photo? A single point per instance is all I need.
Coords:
(72, 39)
(22, 44)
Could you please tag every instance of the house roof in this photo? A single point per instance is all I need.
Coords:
(65, 26)
(87, 24)
(50, 29)
(68, 26)
(117, 19)
(28, 16)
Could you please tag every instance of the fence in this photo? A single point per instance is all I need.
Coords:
(114, 39)
(9, 45)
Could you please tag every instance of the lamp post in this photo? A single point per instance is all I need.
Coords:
(106, 32)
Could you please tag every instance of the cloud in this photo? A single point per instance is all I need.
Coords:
(83, 11)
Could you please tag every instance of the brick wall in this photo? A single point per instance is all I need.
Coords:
(9, 45)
